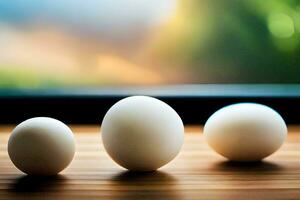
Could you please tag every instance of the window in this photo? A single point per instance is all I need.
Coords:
(50, 48)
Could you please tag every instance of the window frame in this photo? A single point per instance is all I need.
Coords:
(194, 103)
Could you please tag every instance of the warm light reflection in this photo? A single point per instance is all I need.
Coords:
(116, 69)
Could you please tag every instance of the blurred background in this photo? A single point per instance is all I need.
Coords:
(100, 43)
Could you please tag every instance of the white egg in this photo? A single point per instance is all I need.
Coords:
(245, 131)
(41, 146)
(142, 133)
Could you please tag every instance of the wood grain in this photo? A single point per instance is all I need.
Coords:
(197, 173)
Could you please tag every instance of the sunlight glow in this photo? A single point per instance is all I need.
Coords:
(281, 25)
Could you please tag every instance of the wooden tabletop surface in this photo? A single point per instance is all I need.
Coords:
(196, 173)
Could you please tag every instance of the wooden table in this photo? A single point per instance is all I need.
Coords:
(197, 173)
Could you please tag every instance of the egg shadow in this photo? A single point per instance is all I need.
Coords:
(257, 166)
(145, 185)
(28, 184)
(135, 176)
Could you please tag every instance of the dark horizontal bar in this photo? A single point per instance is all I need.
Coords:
(194, 103)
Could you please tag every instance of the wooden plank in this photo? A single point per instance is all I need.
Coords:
(196, 173)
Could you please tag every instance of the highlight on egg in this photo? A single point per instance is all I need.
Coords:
(41, 146)
(142, 133)
(245, 131)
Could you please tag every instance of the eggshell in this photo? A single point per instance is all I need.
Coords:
(142, 133)
(41, 146)
(245, 131)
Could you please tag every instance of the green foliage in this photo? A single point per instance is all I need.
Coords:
(246, 41)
